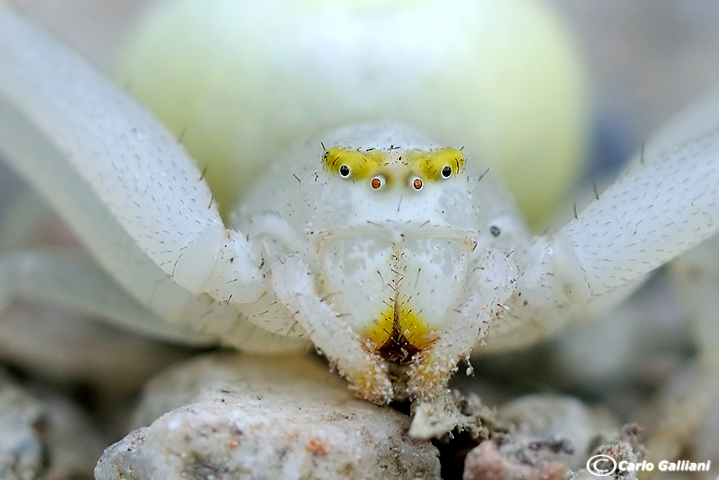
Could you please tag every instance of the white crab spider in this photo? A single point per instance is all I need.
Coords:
(392, 265)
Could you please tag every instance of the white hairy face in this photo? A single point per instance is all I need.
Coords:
(391, 223)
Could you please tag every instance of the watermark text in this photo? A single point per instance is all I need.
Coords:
(604, 465)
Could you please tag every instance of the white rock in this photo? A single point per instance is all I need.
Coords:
(242, 416)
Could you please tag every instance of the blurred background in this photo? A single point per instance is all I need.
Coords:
(646, 59)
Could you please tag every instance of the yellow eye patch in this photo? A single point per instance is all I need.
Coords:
(353, 164)
(436, 164)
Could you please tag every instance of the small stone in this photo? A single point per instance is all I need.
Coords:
(559, 427)
(20, 450)
(43, 436)
(493, 460)
(546, 437)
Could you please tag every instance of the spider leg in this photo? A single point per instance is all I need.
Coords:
(153, 304)
(435, 410)
(108, 166)
(343, 347)
(666, 202)
(76, 281)
(489, 285)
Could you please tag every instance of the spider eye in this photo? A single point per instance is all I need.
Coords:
(354, 164)
(417, 183)
(376, 182)
(434, 165)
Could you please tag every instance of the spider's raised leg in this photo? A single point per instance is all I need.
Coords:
(118, 178)
(665, 203)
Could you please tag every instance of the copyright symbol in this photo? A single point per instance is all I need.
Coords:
(601, 465)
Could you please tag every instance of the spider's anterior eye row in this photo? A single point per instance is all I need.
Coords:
(420, 166)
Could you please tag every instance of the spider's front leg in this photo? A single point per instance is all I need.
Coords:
(122, 183)
(666, 202)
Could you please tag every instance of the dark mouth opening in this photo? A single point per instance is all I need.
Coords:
(397, 349)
